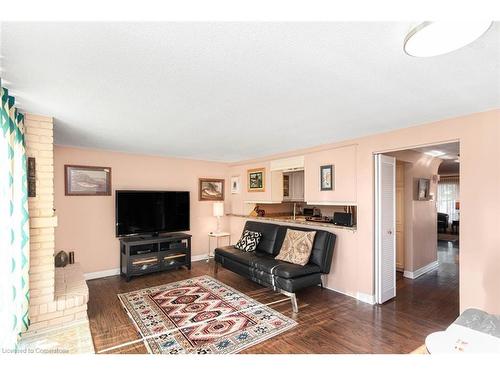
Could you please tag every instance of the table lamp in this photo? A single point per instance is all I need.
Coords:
(218, 212)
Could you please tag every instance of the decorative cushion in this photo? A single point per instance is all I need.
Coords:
(297, 247)
(248, 241)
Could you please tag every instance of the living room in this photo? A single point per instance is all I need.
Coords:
(222, 188)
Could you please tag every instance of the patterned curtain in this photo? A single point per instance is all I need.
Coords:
(14, 226)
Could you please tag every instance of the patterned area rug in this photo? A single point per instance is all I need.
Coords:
(201, 315)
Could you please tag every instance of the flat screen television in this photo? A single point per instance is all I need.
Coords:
(151, 212)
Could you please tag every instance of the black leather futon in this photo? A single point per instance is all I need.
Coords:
(261, 267)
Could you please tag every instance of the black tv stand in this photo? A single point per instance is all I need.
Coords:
(143, 255)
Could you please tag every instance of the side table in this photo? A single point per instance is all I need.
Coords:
(217, 236)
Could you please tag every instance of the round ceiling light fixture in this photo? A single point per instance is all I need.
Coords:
(437, 38)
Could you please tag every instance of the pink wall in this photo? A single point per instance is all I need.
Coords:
(479, 136)
(344, 161)
(86, 224)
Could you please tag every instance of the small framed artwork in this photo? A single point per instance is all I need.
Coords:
(326, 173)
(87, 180)
(256, 179)
(211, 189)
(235, 184)
(424, 185)
(31, 177)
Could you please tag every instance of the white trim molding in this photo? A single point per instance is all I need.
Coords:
(101, 274)
(417, 273)
(362, 297)
(197, 258)
(366, 298)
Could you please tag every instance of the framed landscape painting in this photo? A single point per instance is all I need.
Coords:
(87, 180)
(256, 179)
(211, 189)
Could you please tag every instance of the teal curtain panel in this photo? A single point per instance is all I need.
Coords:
(14, 225)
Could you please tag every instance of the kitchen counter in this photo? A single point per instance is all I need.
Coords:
(298, 220)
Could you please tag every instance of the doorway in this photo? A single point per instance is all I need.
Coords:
(417, 228)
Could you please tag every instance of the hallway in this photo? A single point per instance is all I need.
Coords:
(434, 295)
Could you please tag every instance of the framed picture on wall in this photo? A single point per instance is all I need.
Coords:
(327, 180)
(211, 189)
(87, 180)
(256, 179)
(235, 184)
(423, 185)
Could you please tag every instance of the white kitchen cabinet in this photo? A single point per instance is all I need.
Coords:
(293, 186)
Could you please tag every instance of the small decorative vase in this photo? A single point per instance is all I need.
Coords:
(61, 259)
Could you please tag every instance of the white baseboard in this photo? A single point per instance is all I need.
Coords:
(100, 274)
(197, 258)
(421, 271)
(366, 298)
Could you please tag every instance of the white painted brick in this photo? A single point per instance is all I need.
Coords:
(41, 299)
(34, 118)
(81, 315)
(39, 131)
(52, 306)
(61, 320)
(46, 154)
(42, 308)
(39, 145)
(38, 326)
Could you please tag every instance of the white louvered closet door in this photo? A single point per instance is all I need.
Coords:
(385, 228)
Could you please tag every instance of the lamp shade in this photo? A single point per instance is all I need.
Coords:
(457, 205)
(218, 209)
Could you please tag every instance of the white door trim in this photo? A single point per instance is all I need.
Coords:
(382, 294)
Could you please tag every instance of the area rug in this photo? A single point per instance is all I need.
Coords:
(201, 315)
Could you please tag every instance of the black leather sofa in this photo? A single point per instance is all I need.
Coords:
(261, 267)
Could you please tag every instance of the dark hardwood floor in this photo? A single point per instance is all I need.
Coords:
(329, 322)
(433, 296)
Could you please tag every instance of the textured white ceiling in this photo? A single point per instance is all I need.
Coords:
(233, 91)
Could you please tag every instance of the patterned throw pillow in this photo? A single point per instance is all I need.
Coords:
(248, 241)
(297, 247)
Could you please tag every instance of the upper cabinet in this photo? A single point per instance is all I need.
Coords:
(293, 186)
(287, 164)
(343, 160)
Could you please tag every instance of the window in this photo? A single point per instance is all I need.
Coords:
(447, 195)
